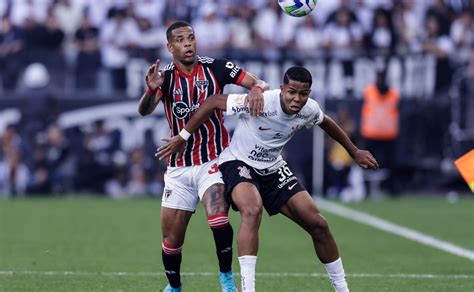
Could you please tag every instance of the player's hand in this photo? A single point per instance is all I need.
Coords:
(155, 77)
(254, 101)
(365, 159)
(175, 144)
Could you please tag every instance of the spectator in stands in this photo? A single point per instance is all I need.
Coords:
(241, 40)
(96, 164)
(213, 30)
(380, 123)
(38, 106)
(11, 46)
(407, 24)
(68, 16)
(343, 39)
(14, 174)
(57, 160)
(117, 35)
(382, 39)
(9, 140)
(462, 34)
(440, 46)
(88, 60)
(339, 160)
(311, 45)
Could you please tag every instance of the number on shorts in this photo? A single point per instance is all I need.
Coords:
(214, 169)
(284, 173)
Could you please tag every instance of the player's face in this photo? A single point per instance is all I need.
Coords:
(294, 96)
(182, 45)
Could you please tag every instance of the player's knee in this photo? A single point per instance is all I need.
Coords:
(171, 249)
(218, 221)
(319, 228)
(251, 212)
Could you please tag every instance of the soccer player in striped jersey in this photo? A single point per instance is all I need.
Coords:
(256, 176)
(193, 175)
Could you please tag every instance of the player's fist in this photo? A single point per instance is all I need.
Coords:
(155, 77)
(365, 159)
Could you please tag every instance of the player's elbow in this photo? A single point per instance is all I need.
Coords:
(143, 112)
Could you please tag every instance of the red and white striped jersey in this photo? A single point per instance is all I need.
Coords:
(184, 93)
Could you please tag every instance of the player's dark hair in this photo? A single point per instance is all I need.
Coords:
(298, 73)
(174, 26)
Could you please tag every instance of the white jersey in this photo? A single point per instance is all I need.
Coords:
(259, 141)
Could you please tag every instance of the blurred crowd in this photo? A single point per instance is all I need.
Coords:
(80, 38)
(88, 44)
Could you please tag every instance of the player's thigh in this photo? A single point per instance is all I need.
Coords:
(179, 192)
(247, 199)
(211, 188)
(302, 210)
(173, 225)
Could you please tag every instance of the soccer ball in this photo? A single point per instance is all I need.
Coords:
(297, 8)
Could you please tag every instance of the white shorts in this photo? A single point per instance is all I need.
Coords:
(185, 186)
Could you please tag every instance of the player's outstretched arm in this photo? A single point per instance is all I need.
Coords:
(254, 98)
(176, 143)
(362, 157)
(154, 79)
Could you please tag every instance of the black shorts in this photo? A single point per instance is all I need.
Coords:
(275, 188)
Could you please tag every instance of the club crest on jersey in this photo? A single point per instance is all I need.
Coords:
(244, 172)
(166, 194)
(181, 109)
(202, 84)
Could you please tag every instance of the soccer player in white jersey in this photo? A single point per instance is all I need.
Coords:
(256, 175)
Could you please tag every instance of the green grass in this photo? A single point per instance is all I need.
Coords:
(97, 236)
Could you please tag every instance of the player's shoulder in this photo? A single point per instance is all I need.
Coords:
(312, 104)
(272, 93)
(310, 108)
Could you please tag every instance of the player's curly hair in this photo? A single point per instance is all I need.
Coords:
(298, 73)
(174, 26)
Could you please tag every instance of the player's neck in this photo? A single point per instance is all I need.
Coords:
(186, 68)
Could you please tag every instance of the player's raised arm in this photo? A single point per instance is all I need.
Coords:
(176, 144)
(150, 99)
(362, 157)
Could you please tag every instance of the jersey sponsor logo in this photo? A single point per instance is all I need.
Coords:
(234, 72)
(240, 110)
(268, 114)
(182, 110)
(301, 116)
(262, 154)
(202, 84)
(263, 129)
(244, 172)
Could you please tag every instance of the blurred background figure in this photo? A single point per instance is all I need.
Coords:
(60, 59)
(379, 128)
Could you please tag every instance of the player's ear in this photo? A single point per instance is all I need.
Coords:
(170, 48)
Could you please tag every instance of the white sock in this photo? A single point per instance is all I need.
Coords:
(247, 272)
(337, 276)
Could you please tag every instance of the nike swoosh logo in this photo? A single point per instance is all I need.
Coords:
(292, 186)
(264, 129)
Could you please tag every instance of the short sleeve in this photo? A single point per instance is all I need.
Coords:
(236, 104)
(227, 72)
(317, 116)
